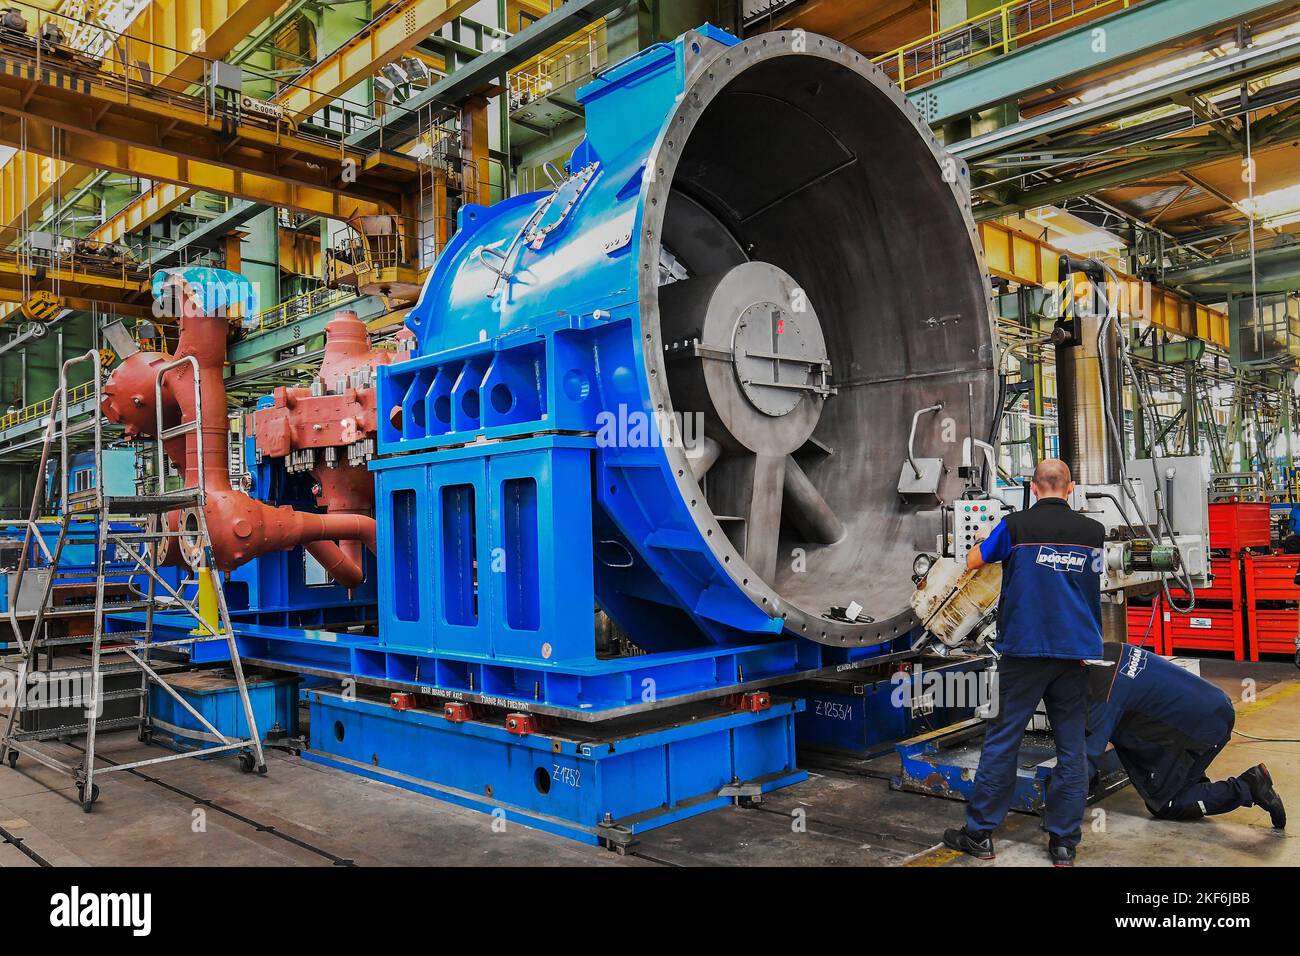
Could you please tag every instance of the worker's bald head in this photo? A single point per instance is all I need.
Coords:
(1052, 479)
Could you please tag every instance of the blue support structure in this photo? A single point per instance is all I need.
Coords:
(582, 691)
(602, 789)
(288, 589)
(865, 717)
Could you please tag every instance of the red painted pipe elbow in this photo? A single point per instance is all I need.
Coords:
(241, 528)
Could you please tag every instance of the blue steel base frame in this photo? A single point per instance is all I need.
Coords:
(584, 690)
(943, 763)
(605, 788)
(601, 790)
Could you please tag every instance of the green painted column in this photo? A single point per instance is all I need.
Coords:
(951, 14)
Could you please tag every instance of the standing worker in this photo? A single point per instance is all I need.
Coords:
(1049, 623)
(1168, 725)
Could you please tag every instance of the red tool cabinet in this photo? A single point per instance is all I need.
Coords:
(1237, 525)
(1272, 601)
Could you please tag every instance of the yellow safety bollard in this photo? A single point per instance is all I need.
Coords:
(209, 612)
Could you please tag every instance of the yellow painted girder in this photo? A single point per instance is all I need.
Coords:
(175, 37)
(28, 181)
(170, 139)
(1016, 257)
(300, 253)
(75, 281)
(390, 36)
(91, 150)
(78, 102)
(387, 38)
(144, 210)
(11, 300)
(157, 37)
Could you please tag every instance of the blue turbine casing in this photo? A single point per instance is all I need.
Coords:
(542, 317)
(531, 321)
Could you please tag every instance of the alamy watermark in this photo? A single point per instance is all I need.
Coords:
(625, 427)
(925, 691)
(48, 690)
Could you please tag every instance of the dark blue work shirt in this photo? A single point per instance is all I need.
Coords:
(1051, 581)
(1167, 724)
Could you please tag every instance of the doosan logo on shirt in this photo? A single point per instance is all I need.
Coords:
(1061, 560)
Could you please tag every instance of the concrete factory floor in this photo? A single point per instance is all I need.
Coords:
(303, 814)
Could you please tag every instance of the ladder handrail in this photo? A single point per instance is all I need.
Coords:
(59, 406)
(91, 356)
(159, 444)
(15, 585)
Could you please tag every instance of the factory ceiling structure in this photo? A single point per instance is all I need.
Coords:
(122, 158)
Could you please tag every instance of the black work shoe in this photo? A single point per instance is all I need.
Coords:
(980, 847)
(1262, 793)
(1060, 854)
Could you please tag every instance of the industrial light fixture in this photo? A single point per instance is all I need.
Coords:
(1087, 243)
(384, 87)
(1278, 207)
(417, 69)
(395, 74)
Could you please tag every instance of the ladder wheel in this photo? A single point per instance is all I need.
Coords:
(261, 771)
(12, 759)
(81, 796)
(146, 737)
(246, 763)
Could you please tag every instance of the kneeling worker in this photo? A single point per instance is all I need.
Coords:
(1049, 623)
(1167, 725)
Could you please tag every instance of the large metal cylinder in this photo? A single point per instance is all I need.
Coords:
(795, 258)
(1084, 401)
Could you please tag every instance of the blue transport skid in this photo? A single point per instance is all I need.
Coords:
(215, 695)
(943, 763)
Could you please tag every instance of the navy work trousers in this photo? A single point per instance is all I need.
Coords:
(1022, 683)
(1206, 798)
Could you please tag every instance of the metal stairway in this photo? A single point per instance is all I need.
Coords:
(86, 517)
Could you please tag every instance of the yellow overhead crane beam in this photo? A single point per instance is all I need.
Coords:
(392, 34)
(11, 300)
(70, 281)
(174, 38)
(95, 119)
(65, 272)
(1016, 257)
(152, 45)
(29, 181)
(147, 208)
(387, 38)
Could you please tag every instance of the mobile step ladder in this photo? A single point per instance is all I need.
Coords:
(85, 516)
